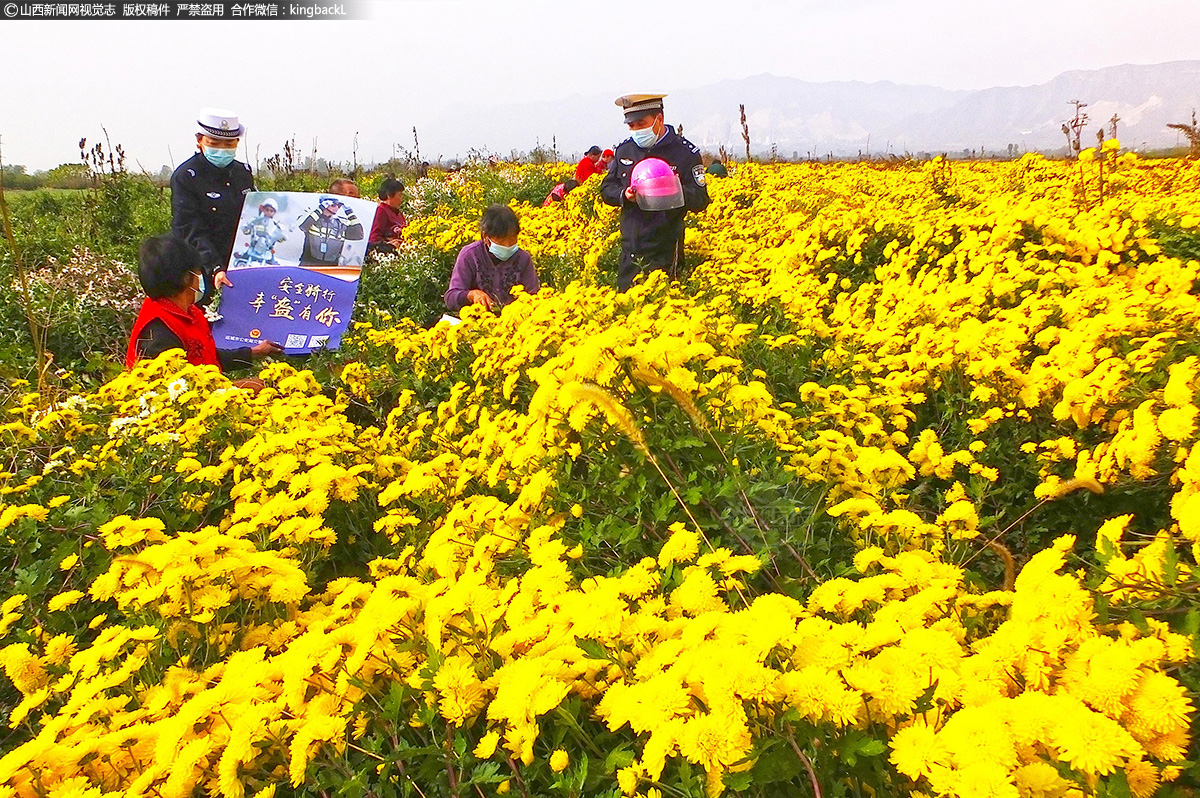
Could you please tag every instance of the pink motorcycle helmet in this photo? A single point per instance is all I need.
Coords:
(657, 186)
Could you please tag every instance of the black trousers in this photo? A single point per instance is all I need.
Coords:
(631, 265)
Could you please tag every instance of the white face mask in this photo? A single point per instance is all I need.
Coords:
(502, 252)
(645, 138)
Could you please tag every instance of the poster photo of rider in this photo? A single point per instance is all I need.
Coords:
(264, 232)
(321, 232)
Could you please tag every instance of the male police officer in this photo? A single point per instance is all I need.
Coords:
(326, 230)
(207, 191)
(652, 238)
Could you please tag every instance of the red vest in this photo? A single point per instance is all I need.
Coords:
(190, 326)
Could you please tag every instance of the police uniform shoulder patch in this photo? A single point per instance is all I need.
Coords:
(698, 174)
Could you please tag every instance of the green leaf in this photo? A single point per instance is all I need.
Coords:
(1101, 606)
(620, 757)
(487, 773)
(872, 748)
(739, 782)
(925, 702)
(1139, 621)
(393, 703)
(592, 648)
(581, 772)
(778, 764)
(354, 787)
(1171, 564)
(1191, 626)
(1115, 786)
(685, 775)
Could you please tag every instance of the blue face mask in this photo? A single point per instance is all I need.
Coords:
(201, 288)
(644, 138)
(219, 156)
(503, 253)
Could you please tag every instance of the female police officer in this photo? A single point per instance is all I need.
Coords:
(207, 191)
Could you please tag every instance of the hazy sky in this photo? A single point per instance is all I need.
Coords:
(144, 81)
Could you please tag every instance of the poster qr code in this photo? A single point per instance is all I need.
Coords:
(295, 341)
(318, 341)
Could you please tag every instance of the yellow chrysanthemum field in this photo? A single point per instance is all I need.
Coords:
(898, 493)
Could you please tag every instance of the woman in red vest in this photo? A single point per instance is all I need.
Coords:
(172, 275)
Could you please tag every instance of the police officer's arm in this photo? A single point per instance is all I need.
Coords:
(612, 188)
(354, 228)
(695, 192)
(186, 212)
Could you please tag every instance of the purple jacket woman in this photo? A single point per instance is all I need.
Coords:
(477, 268)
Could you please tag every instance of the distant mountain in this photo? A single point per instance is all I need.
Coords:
(1145, 98)
(801, 117)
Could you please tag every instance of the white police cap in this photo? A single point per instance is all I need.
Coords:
(220, 123)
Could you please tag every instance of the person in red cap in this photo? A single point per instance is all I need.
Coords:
(652, 239)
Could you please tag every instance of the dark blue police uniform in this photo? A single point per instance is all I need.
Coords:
(654, 238)
(206, 203)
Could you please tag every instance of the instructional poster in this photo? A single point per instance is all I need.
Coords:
(295, 266)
